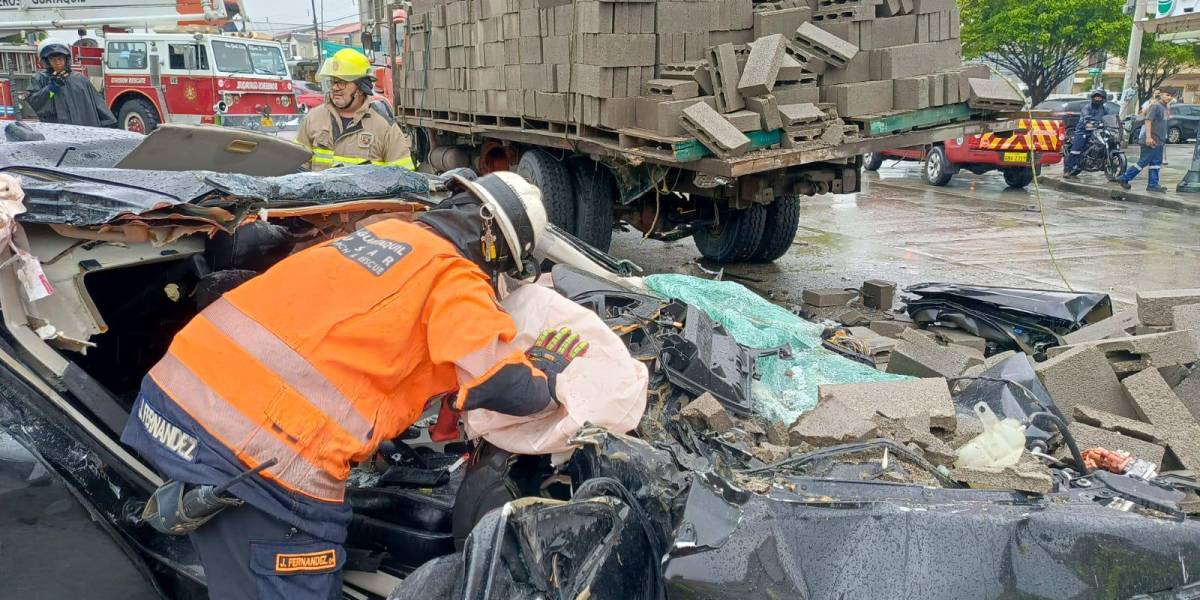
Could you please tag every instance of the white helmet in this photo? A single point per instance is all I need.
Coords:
(517, 207)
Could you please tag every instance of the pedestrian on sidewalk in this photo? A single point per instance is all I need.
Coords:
(1151, 139)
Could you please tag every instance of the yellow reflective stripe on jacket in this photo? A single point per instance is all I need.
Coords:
(406, 162)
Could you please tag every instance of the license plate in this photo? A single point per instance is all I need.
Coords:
(1016, 157)
(267, 122)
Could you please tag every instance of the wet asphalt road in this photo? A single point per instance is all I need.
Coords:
(972, 231)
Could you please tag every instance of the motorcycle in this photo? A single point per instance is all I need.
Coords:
(1103, 151)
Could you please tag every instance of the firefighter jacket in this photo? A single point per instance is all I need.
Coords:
(73, 101)
(371, 137)
(322, 357)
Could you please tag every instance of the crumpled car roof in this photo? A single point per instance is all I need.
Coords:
(92, 146)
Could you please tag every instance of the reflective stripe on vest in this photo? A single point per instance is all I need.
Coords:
(243, 436)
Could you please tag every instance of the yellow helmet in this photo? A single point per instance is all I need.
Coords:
(346, 64)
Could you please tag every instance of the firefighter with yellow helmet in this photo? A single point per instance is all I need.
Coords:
(349, 128)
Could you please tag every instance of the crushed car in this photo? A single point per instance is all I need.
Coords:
(757, 467)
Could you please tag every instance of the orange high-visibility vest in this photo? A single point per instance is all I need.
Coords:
(335, 349)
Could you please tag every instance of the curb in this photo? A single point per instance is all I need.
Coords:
(1105, 192)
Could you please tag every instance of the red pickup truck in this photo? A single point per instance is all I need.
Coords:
(1007, 151)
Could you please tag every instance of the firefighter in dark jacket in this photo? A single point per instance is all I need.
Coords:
(58, 95)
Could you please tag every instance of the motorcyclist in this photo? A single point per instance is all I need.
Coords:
(1094, 110)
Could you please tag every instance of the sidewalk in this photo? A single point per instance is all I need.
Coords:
(1179, 159)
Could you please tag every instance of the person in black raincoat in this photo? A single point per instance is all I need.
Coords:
(58, 95)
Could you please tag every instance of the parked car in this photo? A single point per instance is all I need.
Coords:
(308, 94)
(1181, 127)
(1007, 152)
(1067, 109)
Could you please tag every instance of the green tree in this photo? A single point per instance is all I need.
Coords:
(1042, 42)
(1160, 62)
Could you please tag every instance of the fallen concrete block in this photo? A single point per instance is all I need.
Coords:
(1106, 420)
(1117, 325)
(684, 70)
(1082, 376)
(878, 293)
(1154, 308)
(834, 423)
(1087, 436)
(891, 329)
(959, 337)
(1188, 391)
(796, 94)
(794, 115)
(745, 120)
(703, 77)
(827, 296)
(1136, 353)
(925, 398)
(921, 356)
(705, 413)
(878, 343)
(825, 46)
(1158, 405)
(989, 362)
(915, 430)
(1186, 317)
(783, 21)
(790, 70)
(777, 433)
(725, 77)
(769, 453)
(762, 66)
(670, 89)
(993, 94)
(767, 110)
(1029, 475)
(714, 131)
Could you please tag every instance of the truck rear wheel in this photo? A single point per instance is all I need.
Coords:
(138, 116)
(872, 161)
(734, 237)
(937, 167)
(595, 192)
(550, 176)
(1018, 177)
(779, 231)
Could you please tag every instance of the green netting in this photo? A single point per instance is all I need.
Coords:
(787, 387)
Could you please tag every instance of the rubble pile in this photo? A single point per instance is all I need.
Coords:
(798, 73)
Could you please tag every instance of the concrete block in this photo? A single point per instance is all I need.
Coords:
(1158, 405)
(1106, 420)
(932, 6)
(879, 294)
(893, 31)
(662, 117)
(993, 94)
(670, 89)
(616, 50)
(832, 423)
(921, 356)
(937, 89)
(891, 329)
(1029, 475)
(910, 93)
(866, 98)
(959, 337)
(805, 114)
(745, 120)
(594, 17)
(1083, 376)
(714, 131)
(767, 110)
(824, 45)
(857, 70)
(827, 296)
(952, 87)
(703, 77)
(889, 8)
(1154, 308)
(531, 50)
(762, 67)
(1115, 326)
(1087, 436)
(1188, 391)
(705, 413)
(796, 94)
(785, 21)
(966, 73)
(790, 70)
(685, 71)
(847, 412)
(914, 59)
(551, 106)
(1135, 353)
(725, 78)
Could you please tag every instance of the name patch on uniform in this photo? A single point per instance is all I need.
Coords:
(166, 433)
(372, 252)
(309, 561)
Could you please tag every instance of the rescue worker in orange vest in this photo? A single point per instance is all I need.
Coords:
(350, 128)
(318, 360)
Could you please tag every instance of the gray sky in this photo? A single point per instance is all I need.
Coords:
(271, 16)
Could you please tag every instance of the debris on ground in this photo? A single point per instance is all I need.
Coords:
(1028, 475)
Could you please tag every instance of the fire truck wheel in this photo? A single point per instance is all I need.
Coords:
(595, 194)
(783, 219)
(550, 176)
(872, 161)
(1018, 177)
(734, 237)
(138, 116)
(937, 167)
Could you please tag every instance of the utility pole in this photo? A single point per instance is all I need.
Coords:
(317, 35)
(1132, 60)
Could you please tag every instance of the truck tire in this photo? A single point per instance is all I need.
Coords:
(779, 231)
(872, 161)
(1018, 177)
(550, 176)
(937, 167)
(735, 237)
(595, 191)
(138, 116)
